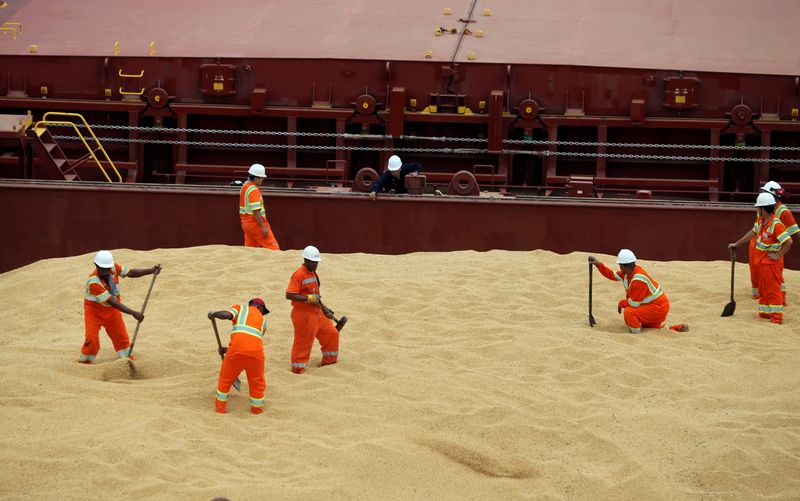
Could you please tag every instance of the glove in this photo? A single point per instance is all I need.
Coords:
(222, 351)
(623, 303)
(312, 298)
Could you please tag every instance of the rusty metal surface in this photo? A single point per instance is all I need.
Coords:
(709, 35)
(68, 219)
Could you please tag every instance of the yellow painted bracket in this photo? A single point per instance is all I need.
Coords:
(128, 93)
(11, 27)
(44, 122)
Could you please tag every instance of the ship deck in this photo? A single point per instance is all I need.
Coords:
(737, 36)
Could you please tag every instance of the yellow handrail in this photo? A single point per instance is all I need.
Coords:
(45, 122)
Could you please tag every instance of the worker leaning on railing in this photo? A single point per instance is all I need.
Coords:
(395, 177)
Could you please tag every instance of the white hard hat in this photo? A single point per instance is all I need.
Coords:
(104, 259)
(257, 170)
(395, 163)
(626, 256)
(765, 199)
(772, 187)
(311, 253)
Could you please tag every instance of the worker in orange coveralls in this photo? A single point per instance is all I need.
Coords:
(772, 243)
(102, 306)
(788, 221)
(645, 303)
(257, 232)
(308, 315)
(245, 352)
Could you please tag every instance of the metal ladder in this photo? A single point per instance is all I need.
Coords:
(56, 162)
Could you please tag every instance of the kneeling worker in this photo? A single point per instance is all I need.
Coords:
(645, 303)
(245, 352)
(395, 177)
(308, 317)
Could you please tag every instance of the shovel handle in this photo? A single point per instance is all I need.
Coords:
(138, 323)
(733, 268)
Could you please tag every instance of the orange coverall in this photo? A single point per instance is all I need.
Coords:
(771, 234)
(98, 313)
(309, 323)
(245, 353)
(645, 303)
(250, 199)
(787, 218)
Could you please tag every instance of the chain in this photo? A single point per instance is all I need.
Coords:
(646, 145)
(523, 142)
(165, 130)
(460, 151)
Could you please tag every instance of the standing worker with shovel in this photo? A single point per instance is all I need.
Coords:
(645, 303)
(245, 353)
(102, 306)
(772, 242)
(310, 316)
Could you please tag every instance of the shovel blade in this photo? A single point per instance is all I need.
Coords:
(340, 324)
(729, 309)
(591, 320)
(237, 384)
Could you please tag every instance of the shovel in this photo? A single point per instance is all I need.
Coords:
(146, 298)
(591, 317)
(731, 307)
(236, 384)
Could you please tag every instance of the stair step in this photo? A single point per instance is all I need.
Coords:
(71, 177)
(48, 146)
(59, 162)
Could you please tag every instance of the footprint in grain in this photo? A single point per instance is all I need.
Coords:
(479, 462)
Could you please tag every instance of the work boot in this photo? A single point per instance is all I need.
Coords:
(256, 410)
(220, 408)
(86, 362)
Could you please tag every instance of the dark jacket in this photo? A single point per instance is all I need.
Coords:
(387, 181)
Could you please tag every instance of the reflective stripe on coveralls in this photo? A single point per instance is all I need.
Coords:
(249, 207)
(655, 292)
(783, 237)
(790, 229)
(242, 327)
(86, 358)
(222, 397)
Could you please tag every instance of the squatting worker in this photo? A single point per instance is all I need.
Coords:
(645, 304)
(395, 177)
(244, 353)
(772, 243)
(102, 306)
(257, 232)
(307, 316)
(786, 217)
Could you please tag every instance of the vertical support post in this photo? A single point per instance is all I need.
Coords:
(135, 150)
(602, 137)
(397, 110)
(291, 153)
(550, 162)
(496, 132)
(715, 167)
(183, 150)
(340, 129)
(762, 172)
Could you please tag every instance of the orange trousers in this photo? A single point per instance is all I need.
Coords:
(649, 316)
(115, 328)
(770, 301)
(755, 274)
(253, 237)
(307, 327)
(232, 365)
